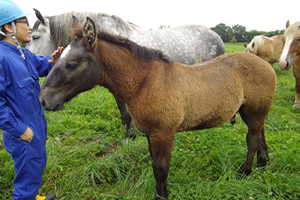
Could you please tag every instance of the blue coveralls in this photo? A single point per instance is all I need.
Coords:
(19, 109)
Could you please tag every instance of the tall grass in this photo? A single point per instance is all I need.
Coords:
(86, 160)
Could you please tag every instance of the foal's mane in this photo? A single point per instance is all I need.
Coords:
(141, 52)
(61, 25)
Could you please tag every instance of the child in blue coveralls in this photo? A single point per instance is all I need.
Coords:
(22, 117)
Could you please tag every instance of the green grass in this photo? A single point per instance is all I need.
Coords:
(234, 47)
(86, 160)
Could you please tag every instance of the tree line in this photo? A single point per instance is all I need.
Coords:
(238, 33)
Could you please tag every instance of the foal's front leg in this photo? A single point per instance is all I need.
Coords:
(161, 147)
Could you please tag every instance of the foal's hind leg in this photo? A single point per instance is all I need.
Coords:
(262, 153)
(254, 140)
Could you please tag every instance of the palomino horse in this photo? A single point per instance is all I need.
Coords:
(291, 55)
(186, 44)
(165, 97)
(269, 49)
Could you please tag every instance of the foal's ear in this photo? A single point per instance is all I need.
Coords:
(75, 26)
(75, 20)
(89, 32)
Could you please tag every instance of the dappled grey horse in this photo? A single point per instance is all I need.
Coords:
(187, 44)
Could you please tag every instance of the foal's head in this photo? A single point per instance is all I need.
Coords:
(80, 67)
(75, 71)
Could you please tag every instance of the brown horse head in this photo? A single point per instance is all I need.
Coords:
(75, 70)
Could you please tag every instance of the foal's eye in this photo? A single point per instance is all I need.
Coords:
(71, 65)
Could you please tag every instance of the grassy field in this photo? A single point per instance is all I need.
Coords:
(87, 162)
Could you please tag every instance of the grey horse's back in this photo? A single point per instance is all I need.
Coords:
(187, 44)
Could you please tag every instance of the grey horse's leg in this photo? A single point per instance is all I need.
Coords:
(126, 121)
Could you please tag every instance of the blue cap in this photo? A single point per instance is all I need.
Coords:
(9, 11)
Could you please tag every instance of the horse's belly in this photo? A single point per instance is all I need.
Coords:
(213, 109)
(209, 120)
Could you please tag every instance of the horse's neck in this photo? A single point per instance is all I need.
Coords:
(110, 25)
(117, 26)
(123, 72)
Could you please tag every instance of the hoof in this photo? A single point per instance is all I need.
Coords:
(243, 171)
(160, 198)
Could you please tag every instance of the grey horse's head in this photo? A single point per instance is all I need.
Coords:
(41, 43)
(54, 31)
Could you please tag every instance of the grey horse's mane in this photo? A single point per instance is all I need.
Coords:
(61, 25)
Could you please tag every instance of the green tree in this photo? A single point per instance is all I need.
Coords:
(224, 31)
(253, 33)
(273, 33)
(240, 33)
(233, 40)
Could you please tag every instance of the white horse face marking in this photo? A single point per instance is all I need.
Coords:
(65, 52)
(286, 48)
